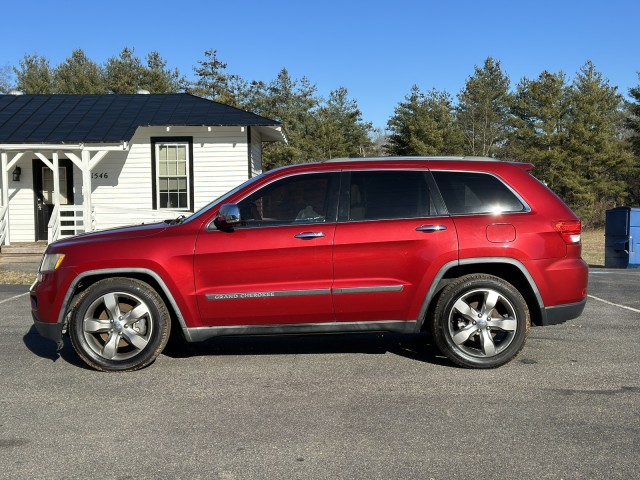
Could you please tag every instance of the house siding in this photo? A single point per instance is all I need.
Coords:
(124, 178)
(220, 163)
(22, 204)
(256, 153)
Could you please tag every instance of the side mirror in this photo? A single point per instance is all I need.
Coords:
(228, 216)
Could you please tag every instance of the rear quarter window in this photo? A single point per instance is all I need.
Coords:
(470, 192)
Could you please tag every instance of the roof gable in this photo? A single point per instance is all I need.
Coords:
(109, 118)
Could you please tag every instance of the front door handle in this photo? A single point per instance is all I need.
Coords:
(309, 235)
(431, 228)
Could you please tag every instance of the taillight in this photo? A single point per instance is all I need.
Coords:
(569, 230)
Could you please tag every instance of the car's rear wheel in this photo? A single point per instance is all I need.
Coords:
(480, 321)
(119, 324)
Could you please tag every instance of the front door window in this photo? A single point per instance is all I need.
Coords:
(48, 188)
(295, 200)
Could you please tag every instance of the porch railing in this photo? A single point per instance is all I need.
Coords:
(110, 217)
(3, 225)
(66, 221)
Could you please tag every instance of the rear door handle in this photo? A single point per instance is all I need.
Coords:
(431, 228)
(309, 235)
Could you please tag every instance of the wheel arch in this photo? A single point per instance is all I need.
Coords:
(508, 269)
(89, 278)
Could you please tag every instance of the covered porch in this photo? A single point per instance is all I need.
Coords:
(63, 205)
(50, 190)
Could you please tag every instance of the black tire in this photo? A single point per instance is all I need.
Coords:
(119, 324)
(480, 321)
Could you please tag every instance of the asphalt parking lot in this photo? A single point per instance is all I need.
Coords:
(370, 406)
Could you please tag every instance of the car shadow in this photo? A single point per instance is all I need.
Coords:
(417, 347)
(44, 348)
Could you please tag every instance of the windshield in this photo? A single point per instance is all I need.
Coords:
(221, 199)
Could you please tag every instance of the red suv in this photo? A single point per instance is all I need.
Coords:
(471, 250)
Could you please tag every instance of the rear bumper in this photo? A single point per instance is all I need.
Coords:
(561, 313)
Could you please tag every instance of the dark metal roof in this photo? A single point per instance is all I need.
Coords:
(52, 119)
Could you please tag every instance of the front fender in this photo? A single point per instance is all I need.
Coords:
(124, 272)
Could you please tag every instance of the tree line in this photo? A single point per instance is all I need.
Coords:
(582, 136)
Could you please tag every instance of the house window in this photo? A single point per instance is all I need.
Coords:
(172, 182)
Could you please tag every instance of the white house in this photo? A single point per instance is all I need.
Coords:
(74, 163)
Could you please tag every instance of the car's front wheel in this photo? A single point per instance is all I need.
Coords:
(119, 324)
(480, 321)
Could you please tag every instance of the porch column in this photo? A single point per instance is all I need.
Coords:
(56, 179)
(5, 192)
(5, 179)
(86, 164)
(86, 189)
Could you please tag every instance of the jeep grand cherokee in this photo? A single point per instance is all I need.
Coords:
(472, 250)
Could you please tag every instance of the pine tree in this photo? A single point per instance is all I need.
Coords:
(407, 124)
(538, 128)
(34, 75)
(79, 75)
(633, 120)
(633, 124)
(603, 160)
(123, 74)
(341, 130)
(424, 125)
(157, 78)
(292, 102)
(483, 109)
(216, 84)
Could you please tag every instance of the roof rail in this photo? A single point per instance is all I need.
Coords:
(385, 159)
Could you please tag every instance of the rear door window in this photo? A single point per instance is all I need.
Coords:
(392, 194)
(469, 192)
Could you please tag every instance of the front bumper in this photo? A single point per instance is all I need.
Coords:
(48, 304)
(52, 331)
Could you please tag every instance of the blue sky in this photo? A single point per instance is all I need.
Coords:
(376, 49)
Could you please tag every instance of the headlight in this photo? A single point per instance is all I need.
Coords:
(51, 262)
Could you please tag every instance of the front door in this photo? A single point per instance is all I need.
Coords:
(275, 268)
(43, 188)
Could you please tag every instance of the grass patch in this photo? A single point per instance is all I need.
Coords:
(9, 277)
(593, 247)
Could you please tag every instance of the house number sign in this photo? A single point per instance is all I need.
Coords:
(99, 175)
